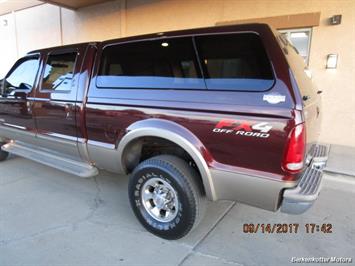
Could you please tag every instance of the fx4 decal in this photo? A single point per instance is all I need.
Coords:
(243, 128)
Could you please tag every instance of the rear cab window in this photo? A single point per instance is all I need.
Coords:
(233, 62)
(59, 72)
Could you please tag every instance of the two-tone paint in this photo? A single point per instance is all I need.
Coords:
(97, 125)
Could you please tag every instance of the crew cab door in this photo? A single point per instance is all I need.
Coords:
(16, 99)
(55, 102)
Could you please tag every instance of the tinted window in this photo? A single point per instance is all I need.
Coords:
(59, 71)
(23, 76)
(168, 63)
(235, 62)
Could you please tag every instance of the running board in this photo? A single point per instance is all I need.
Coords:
(48, 158)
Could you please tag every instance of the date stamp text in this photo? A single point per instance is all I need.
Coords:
(287, 228)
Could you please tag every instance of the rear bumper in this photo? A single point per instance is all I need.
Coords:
(300, 198)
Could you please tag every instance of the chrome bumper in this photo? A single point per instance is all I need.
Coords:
(300, 198)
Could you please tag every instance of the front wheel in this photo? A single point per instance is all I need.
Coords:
(3, 154)
(166, 195)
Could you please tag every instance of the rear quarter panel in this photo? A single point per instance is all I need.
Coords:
(107, 124)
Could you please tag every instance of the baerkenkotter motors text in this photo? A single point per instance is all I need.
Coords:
(339, 260)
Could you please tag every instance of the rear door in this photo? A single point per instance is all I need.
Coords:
(55, 103)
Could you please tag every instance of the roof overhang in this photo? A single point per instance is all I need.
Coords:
(7, 6)
(74, 4)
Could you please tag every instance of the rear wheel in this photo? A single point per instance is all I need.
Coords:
(166, 195)
(3, 154)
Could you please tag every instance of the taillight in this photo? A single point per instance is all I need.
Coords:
(294, 155)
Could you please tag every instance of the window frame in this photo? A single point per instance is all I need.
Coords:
(295, 30)
(59, 52)
(16, 65)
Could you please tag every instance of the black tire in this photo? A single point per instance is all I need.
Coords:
(174, 173)
(3, 154)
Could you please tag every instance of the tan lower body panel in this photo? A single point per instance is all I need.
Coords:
(251, 190)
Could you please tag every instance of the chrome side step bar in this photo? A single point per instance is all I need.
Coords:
(51, 159)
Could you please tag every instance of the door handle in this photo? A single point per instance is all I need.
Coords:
(67, 108)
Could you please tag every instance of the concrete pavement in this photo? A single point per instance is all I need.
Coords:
(341, 160)
(48, 217)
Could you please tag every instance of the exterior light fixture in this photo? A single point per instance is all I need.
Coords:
(332, 61)
(164, 44)
(335, 20)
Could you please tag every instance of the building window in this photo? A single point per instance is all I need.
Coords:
(300, 39)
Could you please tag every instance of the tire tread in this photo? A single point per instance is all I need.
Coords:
(186, 174)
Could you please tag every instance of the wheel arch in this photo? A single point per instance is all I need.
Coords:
(176, 134)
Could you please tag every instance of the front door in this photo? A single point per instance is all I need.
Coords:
(55, 101)
(16, 99)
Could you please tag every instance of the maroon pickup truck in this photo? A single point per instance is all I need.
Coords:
(206, 114)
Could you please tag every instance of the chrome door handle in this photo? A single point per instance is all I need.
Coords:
(67, 109)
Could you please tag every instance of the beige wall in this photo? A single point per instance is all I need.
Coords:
(95, 23)
(131, 17)
(37, 30)
(8, 46)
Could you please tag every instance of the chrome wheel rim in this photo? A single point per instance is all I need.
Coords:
(160, 199)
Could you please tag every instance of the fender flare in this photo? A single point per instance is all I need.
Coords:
(175, 133)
